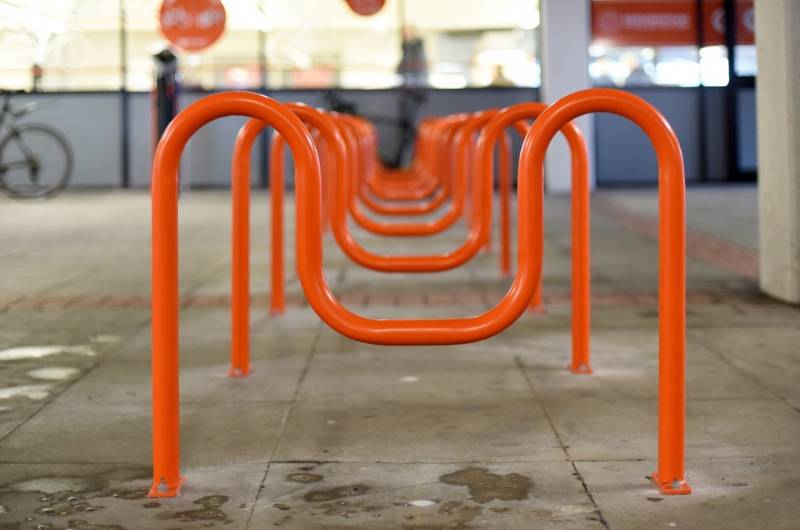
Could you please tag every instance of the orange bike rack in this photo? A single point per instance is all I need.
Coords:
(581, 299)
(670, 475)
(166, 453)
(426, 160)
(360, 160)
(341, 153)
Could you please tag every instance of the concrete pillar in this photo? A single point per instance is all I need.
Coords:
(566, 35)
(778, 103)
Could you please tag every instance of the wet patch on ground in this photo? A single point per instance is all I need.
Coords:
(93, 502)
(331, 494)
(303, 477)
(66, 504)
(460, 517)
(485, 486)
(211, 510)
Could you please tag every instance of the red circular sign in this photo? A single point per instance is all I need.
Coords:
(366, 7)
(192, 24)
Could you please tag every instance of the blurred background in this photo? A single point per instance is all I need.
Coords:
(93, 62)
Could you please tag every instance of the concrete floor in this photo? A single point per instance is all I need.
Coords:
(329, 433)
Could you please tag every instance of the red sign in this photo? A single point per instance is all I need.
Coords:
(192, 24)
(714, 20)
(366, 7)
(662, 23)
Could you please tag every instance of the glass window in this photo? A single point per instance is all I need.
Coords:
(477, 43)
(77, 44)
(60, 45)
(325, 44)
(231, 62)
(652, 42)
(445, 44)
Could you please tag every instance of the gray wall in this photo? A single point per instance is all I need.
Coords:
(92, 122)
(748, 156)
(624, 154)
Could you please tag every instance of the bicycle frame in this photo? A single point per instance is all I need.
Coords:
(7, 121)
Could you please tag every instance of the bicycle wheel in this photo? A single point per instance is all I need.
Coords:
(35, 161)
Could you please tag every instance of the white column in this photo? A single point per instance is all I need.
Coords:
(778, 103)
(566, 35)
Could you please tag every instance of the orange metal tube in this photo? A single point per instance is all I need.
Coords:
(393, 263)
(670, 474)
(165, 297)
(240, 266)
(409, 187)
(505, 204)
(427, 155)
(276, 191)
(581, 277)
(427, 228)
(338, 153)
(669, 477)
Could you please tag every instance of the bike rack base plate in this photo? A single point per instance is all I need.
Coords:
(670, 487)
(156, 490)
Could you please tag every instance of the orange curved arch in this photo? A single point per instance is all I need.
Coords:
(670, 474)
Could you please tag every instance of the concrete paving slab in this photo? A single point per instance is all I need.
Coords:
(395, 420)
(736, 494)
(203, 380)
(363, 430)
(767, 355)
(114, 497)
(345, 371)
(609, 428)
(211, 434)
(424, 496)
(204, 345)
(12, 415)
(71, 326)
(626, 366)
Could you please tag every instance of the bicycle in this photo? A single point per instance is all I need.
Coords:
(411, 99)
(35, 160)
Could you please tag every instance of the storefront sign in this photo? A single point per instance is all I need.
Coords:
(192, 25)
(366, 7)
(674, 23)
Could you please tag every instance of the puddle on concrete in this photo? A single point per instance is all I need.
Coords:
(99, 482)
(3, 509)
(485, 486)
(304, 477)
(104, 339)
(52, 485)
(460, 518)
(422, 503)
(211, 511)
(128, 494)
(54, 373)
(35, 392)
(66, 504)
(38, 352)
(80, 524)
(410, 379)
(448, 507)
(336, 493)
(347, 509)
